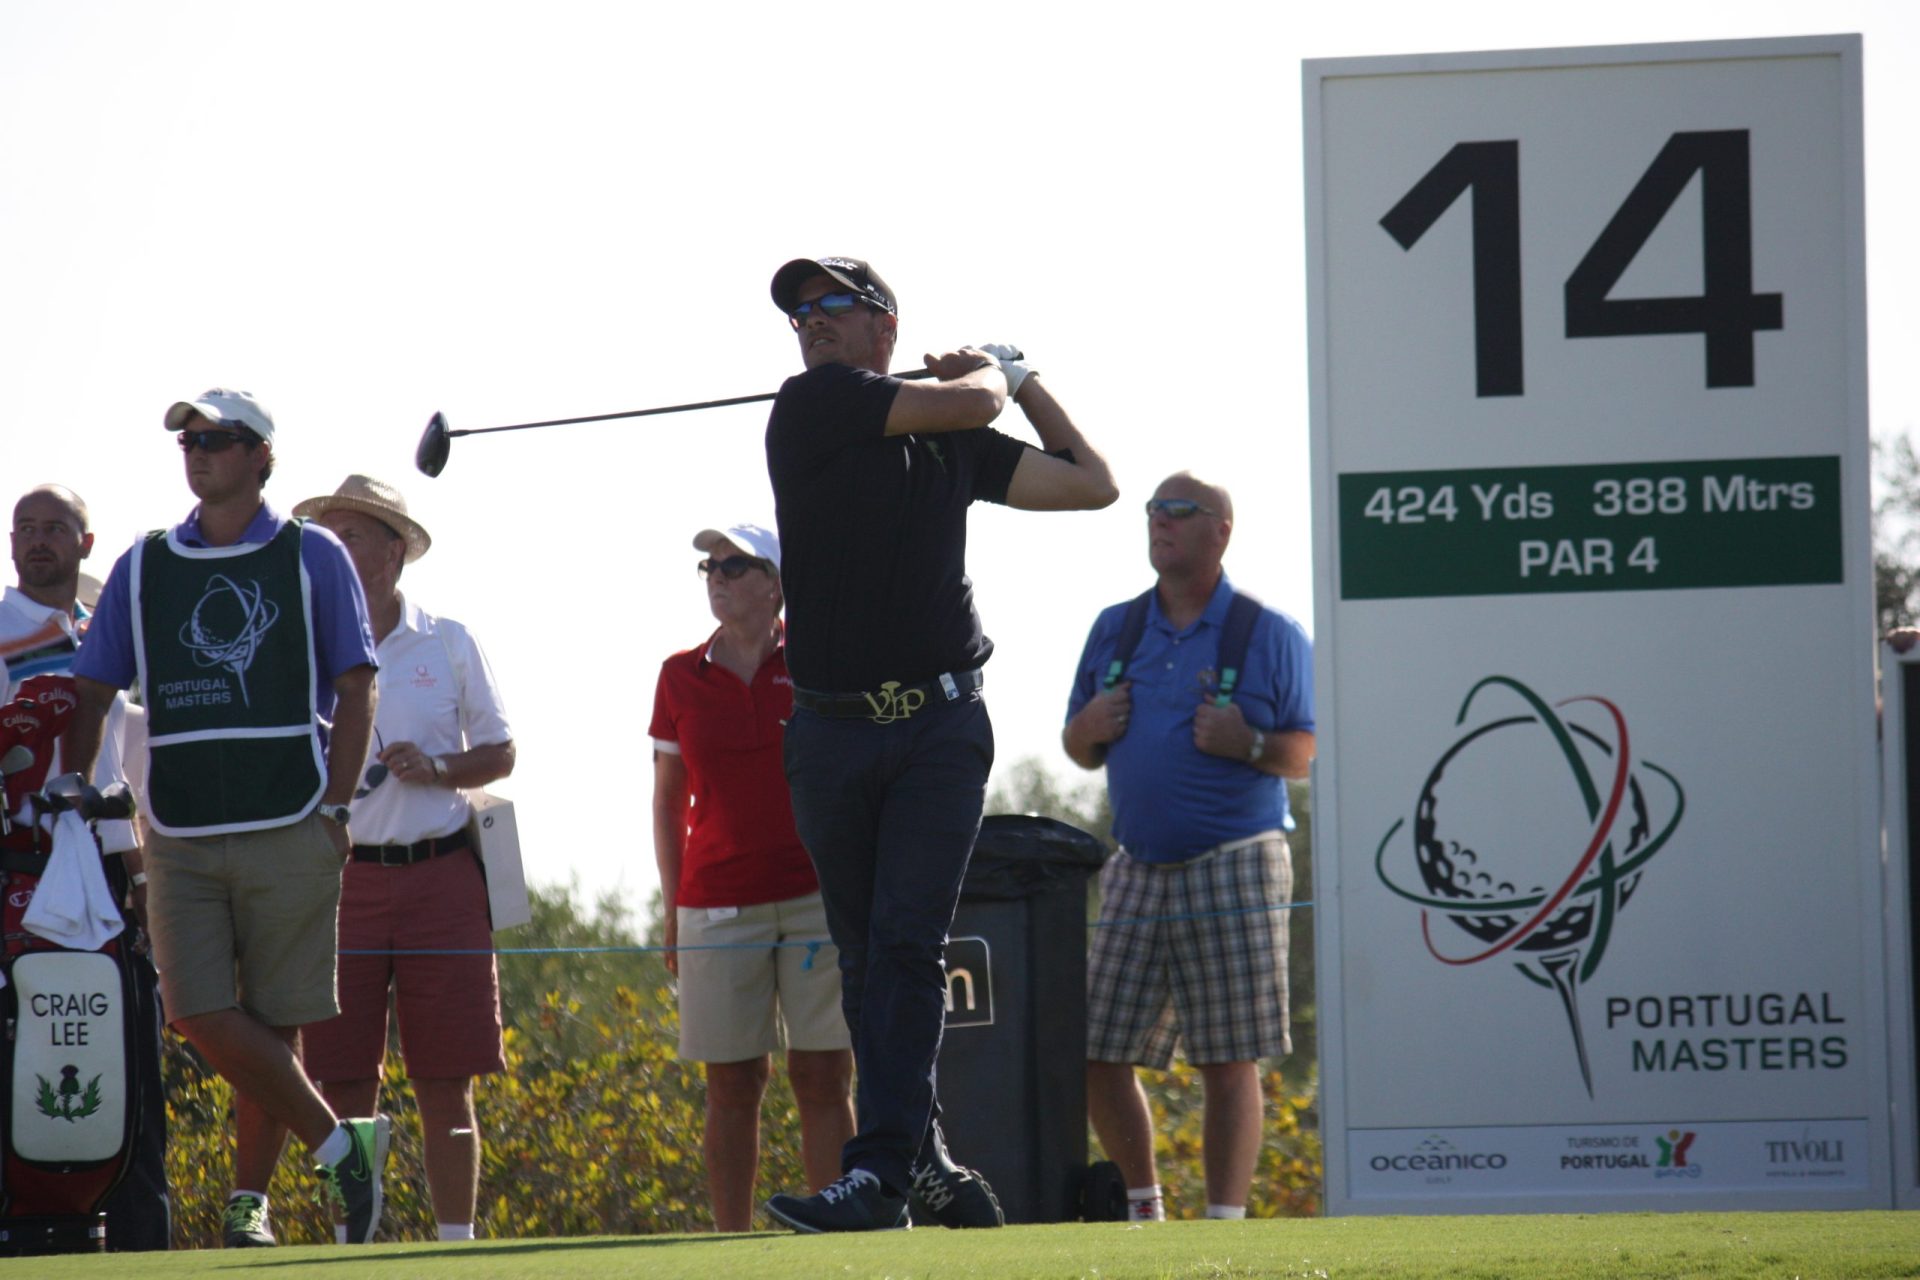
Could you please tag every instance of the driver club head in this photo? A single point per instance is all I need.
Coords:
(431, 455)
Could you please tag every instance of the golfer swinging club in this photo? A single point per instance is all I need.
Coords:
(889, 746)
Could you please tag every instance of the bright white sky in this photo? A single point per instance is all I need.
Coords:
(365, 212)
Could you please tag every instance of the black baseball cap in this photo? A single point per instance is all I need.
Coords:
(851, 272)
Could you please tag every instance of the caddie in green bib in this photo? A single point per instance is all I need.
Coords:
(224, 641)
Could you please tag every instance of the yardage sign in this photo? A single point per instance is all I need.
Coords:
(1597, 842)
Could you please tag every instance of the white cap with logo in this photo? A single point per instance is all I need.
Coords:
(753, 539)
(224, 408)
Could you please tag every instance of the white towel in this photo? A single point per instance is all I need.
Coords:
(72, 904)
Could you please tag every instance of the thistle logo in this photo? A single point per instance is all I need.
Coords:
(68, 1101)
(1499, 817)
(228, 625)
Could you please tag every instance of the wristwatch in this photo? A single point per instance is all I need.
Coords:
(335, 813)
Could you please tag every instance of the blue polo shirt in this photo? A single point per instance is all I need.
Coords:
(342, 635)
(1170, 799)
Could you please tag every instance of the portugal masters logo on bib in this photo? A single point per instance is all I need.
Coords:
(227, 626)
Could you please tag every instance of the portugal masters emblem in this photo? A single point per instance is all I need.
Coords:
(1531, 833)
(227, 626)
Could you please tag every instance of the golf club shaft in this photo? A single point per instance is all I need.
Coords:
(648, 413)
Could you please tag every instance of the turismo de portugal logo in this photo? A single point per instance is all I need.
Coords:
(1530, 836)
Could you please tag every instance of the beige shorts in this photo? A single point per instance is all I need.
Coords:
(246, 920)
(748, 996)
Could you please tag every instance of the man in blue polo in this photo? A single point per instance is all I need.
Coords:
(1196, 749)
(249, 637)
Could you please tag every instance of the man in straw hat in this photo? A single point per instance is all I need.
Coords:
(248, 634)
(414, 884)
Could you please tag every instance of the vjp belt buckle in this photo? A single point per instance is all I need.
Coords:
(894, 703)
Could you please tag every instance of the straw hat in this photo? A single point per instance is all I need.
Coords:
(374, 498)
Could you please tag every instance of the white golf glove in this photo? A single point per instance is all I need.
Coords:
(1012, 362)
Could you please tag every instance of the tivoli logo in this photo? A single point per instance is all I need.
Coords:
(228, 625)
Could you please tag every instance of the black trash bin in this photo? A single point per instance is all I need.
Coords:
(1012, 1072)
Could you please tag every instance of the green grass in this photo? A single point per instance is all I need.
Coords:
(1845, 1246)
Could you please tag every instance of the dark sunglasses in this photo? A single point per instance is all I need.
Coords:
(1177, 508)
(732, 567)
(211, 441)
(833, 304)
(376, 772)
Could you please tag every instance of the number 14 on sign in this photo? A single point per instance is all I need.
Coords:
(1726, 312)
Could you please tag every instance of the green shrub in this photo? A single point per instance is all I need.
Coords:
(595, 1126)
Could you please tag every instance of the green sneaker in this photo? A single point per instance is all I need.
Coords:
(244, 1225)
(353, 1181)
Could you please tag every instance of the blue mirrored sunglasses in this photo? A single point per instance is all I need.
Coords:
(832, 304)
(1177, 508)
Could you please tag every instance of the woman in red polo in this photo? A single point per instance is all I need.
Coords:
(757, 971)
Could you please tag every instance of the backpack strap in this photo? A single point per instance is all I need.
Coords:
(1235, 635)
(1132, 627)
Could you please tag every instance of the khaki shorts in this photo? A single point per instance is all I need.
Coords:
(747, 996)
(246, 920)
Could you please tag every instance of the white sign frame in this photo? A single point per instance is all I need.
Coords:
(1903, 1061)
(1341, 305)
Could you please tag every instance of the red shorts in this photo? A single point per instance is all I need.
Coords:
(448, 1005)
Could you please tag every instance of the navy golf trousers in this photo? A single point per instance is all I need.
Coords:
(889, 814)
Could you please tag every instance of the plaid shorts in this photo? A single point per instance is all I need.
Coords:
(1207, 965)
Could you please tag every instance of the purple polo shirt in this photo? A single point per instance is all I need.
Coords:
(342, 636)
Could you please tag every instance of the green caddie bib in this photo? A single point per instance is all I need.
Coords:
(224, 641)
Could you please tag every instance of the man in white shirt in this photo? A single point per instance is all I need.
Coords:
(414, 882)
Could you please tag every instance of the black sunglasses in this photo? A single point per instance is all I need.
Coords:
(212, 441)
(376, 772)
(833, 304)
(732, 567)
(1177, 508)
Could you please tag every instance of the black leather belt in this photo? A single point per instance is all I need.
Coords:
(405, 855)
(891, 701)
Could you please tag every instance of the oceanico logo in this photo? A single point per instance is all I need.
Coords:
(227, 626)
(1434, 1154)
(1530, 834)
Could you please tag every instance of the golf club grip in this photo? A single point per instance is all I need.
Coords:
(913, 376)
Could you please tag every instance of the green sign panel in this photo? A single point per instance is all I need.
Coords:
(1737, 522)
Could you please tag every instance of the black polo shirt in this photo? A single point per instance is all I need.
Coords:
(873, 533)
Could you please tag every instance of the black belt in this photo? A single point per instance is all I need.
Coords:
(891, 701)
(405, 855)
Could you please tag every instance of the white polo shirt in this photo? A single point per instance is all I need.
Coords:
(437, 692)
(38, 640)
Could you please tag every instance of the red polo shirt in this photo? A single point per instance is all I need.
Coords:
(741, 845)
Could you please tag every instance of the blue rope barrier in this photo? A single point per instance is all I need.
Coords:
(812, 945)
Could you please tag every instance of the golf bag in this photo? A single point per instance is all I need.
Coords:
(68, 1084)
